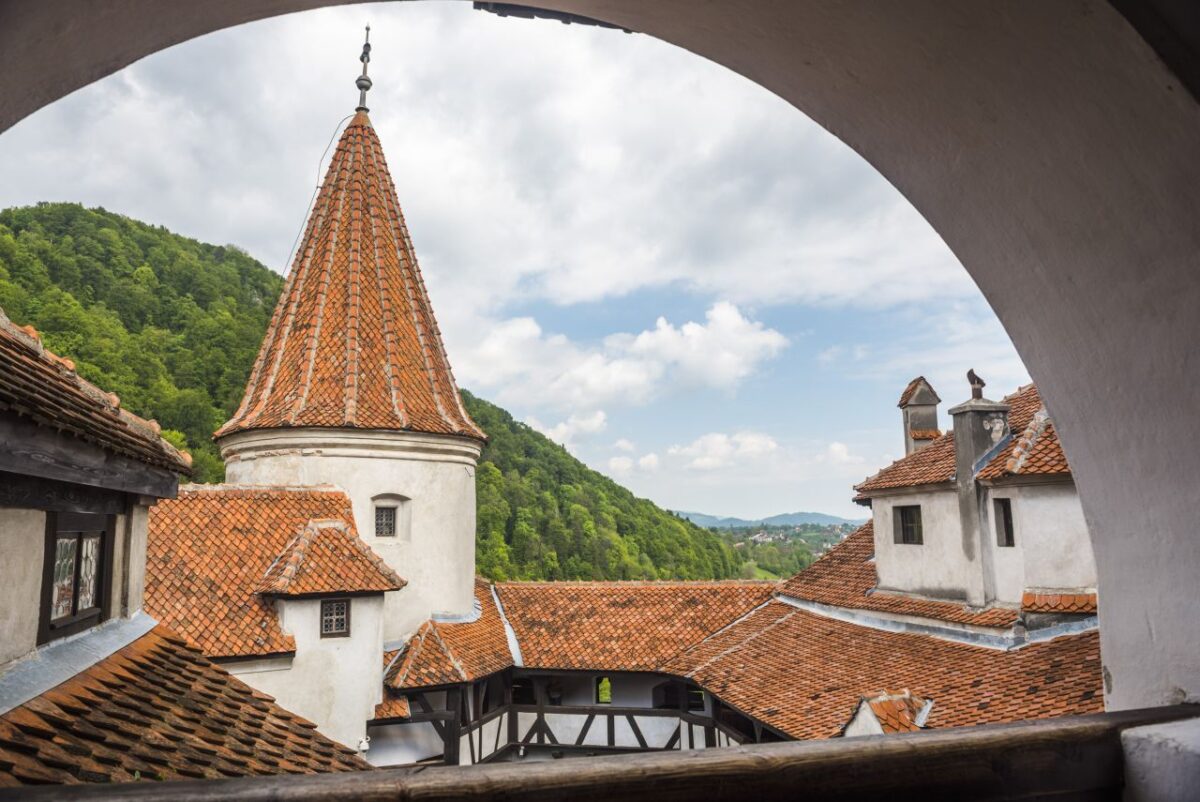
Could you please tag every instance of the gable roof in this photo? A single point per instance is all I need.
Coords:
(353, 341)
(45, 388)
(804, 674)
(845, 577)
(158, 709)
(209, 553)
(327, 557)
(445, 653)
(911, 390)
(1033, 449)
(898, 712)
(619, 626)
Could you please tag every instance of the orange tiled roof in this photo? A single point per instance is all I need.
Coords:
(620, 626)
(159, 710)
(209, 551)
(1058, 602)
(393, 706)
(37, 384)
(803, 673)
(1034, 449)
(924, 434)
(845, 577)
(327, 557)
(897, 712)
(353, 341)
(445, 653)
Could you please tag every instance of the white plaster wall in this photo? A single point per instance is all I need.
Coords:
(1006, 563)
(22, 547)
(437, 473)
(938, 567)
(863, 723)
(333, 682)
(400, 744)
(1053, 537)
(135, 562)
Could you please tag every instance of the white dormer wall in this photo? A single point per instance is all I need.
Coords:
(937, 568)
(335, 682)
(434, 552)
(1052, 547)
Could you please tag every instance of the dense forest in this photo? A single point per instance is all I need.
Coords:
(169, 324)
(172, 326)
(544, 514)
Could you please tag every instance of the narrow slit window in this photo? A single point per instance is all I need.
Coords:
(1005, 534)
(385, 522)
(335, 618)
(907, 525)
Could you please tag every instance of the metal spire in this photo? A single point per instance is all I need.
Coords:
(363, 82)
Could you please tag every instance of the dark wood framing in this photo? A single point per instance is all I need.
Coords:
(56, 523)
(36, 493)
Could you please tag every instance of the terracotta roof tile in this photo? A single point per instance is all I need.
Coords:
(37, 384)
(353, 341)
(159, 710)
(444, 653)
(620, 626)
(1034, 449)
(209, 551)
(328, 557)
(924, 434)
(803, 673)
(1058, 601)
(897, 712)
(393, 706)
(911, 390)
(845, 577)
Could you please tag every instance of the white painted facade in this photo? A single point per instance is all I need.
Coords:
(1052, 548)
(23, 544)
(864, 722)
(429, 478)
(333, 682)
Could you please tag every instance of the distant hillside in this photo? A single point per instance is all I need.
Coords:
(544, 514)
(172, 326)
(786, 519)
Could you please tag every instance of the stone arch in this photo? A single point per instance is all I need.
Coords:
(1047, 143)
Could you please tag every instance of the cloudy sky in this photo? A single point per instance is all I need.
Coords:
(656, 262)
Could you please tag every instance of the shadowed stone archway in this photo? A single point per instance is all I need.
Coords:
(1047, 143)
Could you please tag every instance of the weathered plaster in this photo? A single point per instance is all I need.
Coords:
(22, 545)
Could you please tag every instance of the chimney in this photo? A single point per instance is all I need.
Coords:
(918, 411)
(980, 426)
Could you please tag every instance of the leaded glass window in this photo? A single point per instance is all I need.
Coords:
(335, 618)
(385, 522)
(77, 572)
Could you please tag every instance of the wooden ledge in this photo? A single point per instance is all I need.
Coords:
(1066, 758)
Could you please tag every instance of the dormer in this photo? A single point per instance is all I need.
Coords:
(919, 414)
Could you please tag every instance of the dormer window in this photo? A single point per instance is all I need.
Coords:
(77, 573)
(393, 516)
(335, 618)
(906, 523)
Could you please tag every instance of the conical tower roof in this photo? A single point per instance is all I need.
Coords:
(353, 342)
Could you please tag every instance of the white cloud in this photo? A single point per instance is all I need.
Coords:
(839, 454)
(648, 462)
(569, 431)
(620, 465)
(522, 364)
(718, 450)
(623, 445)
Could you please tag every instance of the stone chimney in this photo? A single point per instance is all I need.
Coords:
(980, 426)
(919, 413)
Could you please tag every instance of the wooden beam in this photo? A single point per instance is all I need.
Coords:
(30, 450)
(1067, 758)
(675, 737)
(587, 725)
(36, 493)
(637, 732)
(454, 702)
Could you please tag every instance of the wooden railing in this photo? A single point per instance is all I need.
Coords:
(1075, 758)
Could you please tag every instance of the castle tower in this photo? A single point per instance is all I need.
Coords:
(352, 387)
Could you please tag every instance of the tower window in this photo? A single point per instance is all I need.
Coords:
(385, 522)
(335, 618)
(77, 573)
(906, 522)
(1005, 536)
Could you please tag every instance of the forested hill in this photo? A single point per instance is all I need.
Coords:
(172, 326)
(169, 324)
(544, 514)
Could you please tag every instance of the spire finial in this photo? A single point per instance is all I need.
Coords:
(363, 82)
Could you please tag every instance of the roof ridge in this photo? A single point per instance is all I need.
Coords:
(1024, 445)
